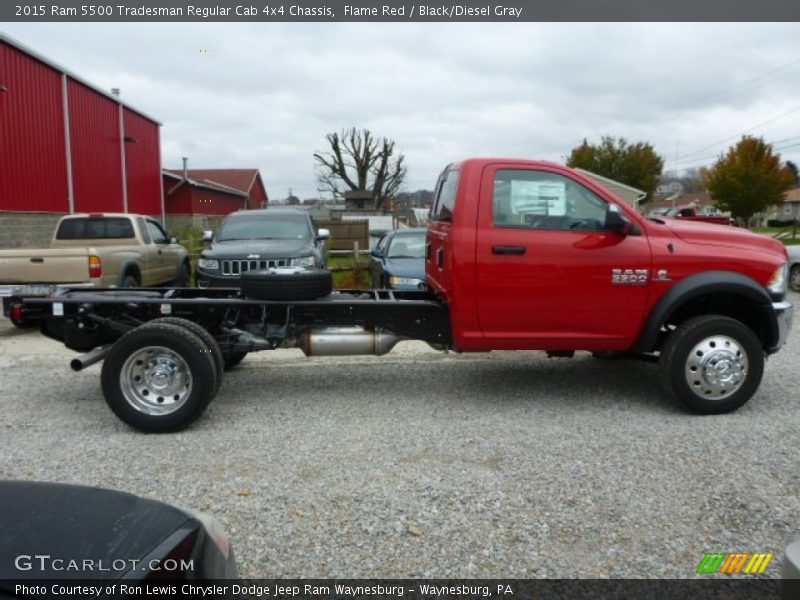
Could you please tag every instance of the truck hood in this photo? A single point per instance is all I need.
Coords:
(262, 248)
(722, 235)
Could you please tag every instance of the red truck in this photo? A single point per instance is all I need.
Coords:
(690, 213)
(521, 255)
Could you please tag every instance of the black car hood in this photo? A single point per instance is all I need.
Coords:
(79, 523)
(262, 248)
(406, 267)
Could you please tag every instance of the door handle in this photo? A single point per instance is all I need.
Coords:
(507, 250)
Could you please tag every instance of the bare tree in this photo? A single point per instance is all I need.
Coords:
(358, 161)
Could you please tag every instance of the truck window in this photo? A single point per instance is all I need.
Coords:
(93, 228)
(143, 229)
(155, 231)
(445, 203)
(265, 227)
(540, 200)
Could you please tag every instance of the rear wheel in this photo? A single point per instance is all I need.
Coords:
(712, 364)
(129, 281)
(211, 345)
(158, 378)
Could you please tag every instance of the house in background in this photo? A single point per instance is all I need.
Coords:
(789, 210)
(202, 197)
(630, 195)
(700, 200)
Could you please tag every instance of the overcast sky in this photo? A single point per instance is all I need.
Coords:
(264, 95)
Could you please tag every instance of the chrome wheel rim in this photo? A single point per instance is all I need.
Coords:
(156, 381)
(716, 367)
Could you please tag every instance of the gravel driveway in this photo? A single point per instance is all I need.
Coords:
(420, 464)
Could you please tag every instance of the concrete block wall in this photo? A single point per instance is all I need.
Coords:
(21, 230)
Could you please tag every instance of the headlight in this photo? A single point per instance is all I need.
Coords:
(777, 283)
(404, 281)
(208, 263)
(303, 261)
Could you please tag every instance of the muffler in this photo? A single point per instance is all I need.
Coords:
(346, 341)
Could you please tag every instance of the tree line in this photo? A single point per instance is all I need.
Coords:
(747, 179)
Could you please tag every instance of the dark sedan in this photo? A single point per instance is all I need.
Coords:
(398, 260)
(53, 531)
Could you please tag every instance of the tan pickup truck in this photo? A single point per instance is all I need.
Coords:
(98, 250)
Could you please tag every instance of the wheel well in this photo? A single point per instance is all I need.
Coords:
(735, 306)
(134, 271)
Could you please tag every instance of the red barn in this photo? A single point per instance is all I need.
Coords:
(201, 196)
(68, 146)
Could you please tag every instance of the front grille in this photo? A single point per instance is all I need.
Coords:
(237, 267)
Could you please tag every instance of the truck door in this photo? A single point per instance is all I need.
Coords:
(163, 255)
(549, 273)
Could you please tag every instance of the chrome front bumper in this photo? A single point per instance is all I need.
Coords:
(784, 313)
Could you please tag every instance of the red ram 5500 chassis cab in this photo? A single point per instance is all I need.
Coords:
(521, 255)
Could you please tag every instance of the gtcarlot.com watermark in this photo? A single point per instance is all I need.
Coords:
(48, 563)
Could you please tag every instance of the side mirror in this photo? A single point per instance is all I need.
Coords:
(174, 240)
(376, 253)
(616, 222)
(208, 235)
(323, 234)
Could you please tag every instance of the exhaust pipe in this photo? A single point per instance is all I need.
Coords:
(346, 341)
(88, 359)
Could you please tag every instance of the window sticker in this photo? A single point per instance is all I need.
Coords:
(538, 198)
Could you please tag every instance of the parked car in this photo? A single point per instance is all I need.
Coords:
(794, 267)
(690, 213)
(398, 260)
(71, 532)
(260, 239)
(97, 250)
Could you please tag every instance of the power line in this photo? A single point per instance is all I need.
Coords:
(707, 164)
(702, 158)
(748, 130)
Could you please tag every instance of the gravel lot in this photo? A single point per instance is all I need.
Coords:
(420, 464)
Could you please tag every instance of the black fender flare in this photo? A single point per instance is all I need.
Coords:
(702, 284)
(129, 266)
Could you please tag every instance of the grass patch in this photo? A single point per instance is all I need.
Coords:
(349, 274)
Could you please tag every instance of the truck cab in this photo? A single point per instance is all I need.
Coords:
(535, 255)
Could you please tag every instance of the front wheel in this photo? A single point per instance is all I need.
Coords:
(159, 378)
(712, 364)
(794, 279)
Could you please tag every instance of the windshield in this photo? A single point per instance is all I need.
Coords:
(265, 227)
(407, 246)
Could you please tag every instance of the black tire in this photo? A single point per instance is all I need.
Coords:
(184, 277)
(794, 278)
(300, 285)
(129, 281)
(178, 342)
(205, 336)
(233, 358)
(688, 358)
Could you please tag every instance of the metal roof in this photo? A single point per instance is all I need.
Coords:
(27, 50)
